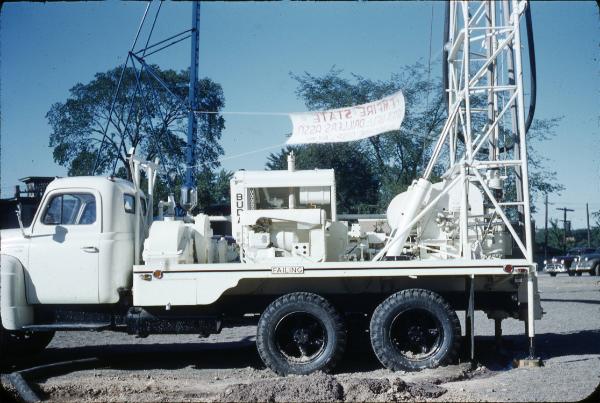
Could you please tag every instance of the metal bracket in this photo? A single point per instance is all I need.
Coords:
(470, 315)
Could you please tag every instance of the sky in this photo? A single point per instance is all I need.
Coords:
(251, 49)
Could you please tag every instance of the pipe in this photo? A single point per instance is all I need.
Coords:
(291, 160)
(192, 126)
(530, 315)
(24, 390)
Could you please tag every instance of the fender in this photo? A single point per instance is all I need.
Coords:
(14, 310)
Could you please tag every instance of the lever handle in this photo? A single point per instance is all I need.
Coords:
(90, 249)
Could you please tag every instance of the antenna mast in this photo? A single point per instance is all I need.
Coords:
(189, 196)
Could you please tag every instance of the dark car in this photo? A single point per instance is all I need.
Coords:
(589, 262)
(563, 264)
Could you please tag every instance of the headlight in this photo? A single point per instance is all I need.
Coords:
(586, 259)
(576, 260)
(545, 261)
(553, 260)
(562, 261)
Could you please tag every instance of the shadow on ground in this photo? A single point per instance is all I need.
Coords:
(243, 354)
(548, 345)
(240, 354)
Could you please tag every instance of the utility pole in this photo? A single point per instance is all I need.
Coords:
(587, 214)
(546, 228)
(564, 210)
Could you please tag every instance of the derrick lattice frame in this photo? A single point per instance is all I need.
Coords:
(484, 134)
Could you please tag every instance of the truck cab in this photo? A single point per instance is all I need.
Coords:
(78, 248)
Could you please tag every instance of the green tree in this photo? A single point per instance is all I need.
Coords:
(145, 116)
(212, 185)
(542, 180)
(356, 182)
(213, 188)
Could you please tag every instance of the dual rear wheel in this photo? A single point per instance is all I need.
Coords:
(300, 333)
(415, 329)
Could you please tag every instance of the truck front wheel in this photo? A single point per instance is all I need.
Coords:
(415, 329)
(300, 333)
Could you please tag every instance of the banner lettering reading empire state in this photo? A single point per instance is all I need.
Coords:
(348, 124)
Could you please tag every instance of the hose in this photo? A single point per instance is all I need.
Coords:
(19, 382)
(532, 67)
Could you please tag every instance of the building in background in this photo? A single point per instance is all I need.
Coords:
(29, 198)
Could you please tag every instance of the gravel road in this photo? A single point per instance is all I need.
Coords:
(226, 367)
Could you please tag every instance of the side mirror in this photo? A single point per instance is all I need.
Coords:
(18, 211)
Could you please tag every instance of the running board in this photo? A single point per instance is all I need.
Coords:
(67, 326)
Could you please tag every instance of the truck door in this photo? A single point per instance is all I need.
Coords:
(63, 253)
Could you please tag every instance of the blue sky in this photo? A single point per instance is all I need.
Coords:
(250, 49)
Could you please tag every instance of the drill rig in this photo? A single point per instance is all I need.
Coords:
(462, 230)
(458, 239)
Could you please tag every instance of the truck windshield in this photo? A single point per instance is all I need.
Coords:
(71, 209)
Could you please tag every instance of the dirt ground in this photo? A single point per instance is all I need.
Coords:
(226, 367)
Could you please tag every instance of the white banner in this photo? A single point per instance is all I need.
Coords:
(348, 124)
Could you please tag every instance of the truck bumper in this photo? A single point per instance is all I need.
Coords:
(555, 268)
(583, 268)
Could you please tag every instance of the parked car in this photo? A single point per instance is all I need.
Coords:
(563, 264)
(589, 263)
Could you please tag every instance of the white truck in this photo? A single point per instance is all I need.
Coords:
(94, 258)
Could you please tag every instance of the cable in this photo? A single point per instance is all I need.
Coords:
(248, 113)
(152, 28)
(246, 153)
(114, 100)
(532, 67)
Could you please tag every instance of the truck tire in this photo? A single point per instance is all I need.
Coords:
(300, 333)
(16, 343)
(552, 274)
(415, 329)
(579, 273)
(19, 343)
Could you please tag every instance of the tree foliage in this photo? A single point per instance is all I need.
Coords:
(145, 116)
(356, 182)
(148, 118)
(542, 180)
